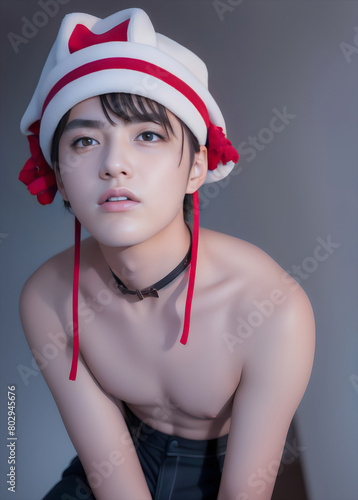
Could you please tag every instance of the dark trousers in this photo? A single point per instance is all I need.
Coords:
(175, 468)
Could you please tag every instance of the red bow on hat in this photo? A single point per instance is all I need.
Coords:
(82, 37)
(38, 176)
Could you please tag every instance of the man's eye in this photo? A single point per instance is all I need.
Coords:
(84, 142)
(150, 137)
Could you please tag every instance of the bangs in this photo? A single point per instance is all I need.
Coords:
(128, 107)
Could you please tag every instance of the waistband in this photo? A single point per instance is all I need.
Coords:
(173, 445)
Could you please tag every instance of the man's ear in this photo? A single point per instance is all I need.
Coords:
(59, 181)
(198, 170)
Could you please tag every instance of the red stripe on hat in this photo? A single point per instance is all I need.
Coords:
(134, 65)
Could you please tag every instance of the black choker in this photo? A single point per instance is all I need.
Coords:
(152, 291)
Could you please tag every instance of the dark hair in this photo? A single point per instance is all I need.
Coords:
(127, 106)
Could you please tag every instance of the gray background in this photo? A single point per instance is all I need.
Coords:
(301, 185)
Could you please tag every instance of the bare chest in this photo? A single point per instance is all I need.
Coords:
(135, 354)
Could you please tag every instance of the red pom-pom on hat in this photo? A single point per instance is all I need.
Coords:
(38, 176)
(220, 149)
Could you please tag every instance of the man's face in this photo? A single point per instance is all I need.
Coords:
(125, 182)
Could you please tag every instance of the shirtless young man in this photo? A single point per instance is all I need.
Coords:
(149, 413)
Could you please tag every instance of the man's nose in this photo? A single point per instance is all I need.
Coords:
(117, 159)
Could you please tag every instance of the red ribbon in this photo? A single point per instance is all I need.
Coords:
(192, 272)
(75, 285)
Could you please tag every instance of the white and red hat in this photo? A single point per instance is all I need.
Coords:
(121, 53)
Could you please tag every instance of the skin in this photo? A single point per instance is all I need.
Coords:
(247, 383)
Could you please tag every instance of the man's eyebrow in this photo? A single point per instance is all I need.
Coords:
(84, 123)
(144, 119)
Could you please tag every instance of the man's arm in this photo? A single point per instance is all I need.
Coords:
(94, 422)
(275, 376)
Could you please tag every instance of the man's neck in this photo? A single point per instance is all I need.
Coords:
(142, 265)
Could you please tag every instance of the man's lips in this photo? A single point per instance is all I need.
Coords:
(116, 196)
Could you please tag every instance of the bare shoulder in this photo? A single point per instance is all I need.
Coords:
(247, 263)
(47, 281)
(237, 256)
(43, 299)
(268, 303)
(54, 277)
(46, 299)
